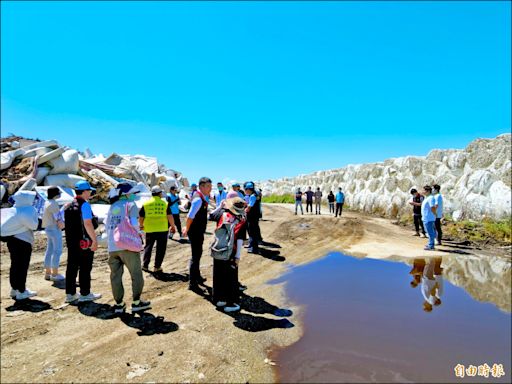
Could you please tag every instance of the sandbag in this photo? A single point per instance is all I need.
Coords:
(63, 180)
(42, 172)
(66, 163)
(51, 155)
(39, 151)
(29, 185)
(7, 158)
(47, 143)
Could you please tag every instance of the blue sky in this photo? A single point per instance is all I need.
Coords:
(254, 90)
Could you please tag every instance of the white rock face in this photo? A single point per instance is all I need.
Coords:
(475, 181)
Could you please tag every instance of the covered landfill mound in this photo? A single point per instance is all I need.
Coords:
(28, 164)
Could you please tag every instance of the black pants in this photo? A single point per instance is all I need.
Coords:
(253, 227)
(225, 281)
(309, 205)
(20, 252)
(439, 231)
(339, 208)
(331, 207)
(161, 245)
(418, 223)
(196, 243)
(79, 262)
(177, 222)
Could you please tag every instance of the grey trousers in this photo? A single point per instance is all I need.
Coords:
(117, 260)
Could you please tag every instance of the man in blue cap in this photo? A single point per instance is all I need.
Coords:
(81, 243)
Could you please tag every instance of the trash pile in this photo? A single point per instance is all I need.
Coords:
(35, 165)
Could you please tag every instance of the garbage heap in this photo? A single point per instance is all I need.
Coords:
(34, 165)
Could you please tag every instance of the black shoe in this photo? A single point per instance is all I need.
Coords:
(145, 269)
(201, 279)
(141, 306)
(195, 288)
(120, 308)
(242, 287)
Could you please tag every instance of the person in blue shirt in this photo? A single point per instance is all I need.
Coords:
(174, 203)
(340, 200)
(220, 195)
(428, 214)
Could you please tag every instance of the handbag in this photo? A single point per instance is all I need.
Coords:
(126, 236)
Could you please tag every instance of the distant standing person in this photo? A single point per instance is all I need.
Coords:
(53, 225)
(154, 216)
(16, 227)
(439, 212)
(331, 199)
(428, 214)
(197, 219)
(253, 217)
(298, 201)
(221, 194)
(340, 200)
(318, 200)
(174, 203)
(81, 242)
(416, 201)
(119, 257)
(309, 200)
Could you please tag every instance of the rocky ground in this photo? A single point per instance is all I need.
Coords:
(183, 338)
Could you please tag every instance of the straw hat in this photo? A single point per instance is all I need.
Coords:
(235, 205)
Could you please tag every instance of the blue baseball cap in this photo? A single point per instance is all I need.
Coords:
(249, 185)
(193, 185)
(83, 185)
(236, 185)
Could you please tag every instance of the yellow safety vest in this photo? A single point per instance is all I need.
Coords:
(156, 215)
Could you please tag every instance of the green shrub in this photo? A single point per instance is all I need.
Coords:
(286, 198)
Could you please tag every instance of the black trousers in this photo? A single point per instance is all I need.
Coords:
(79, 263)
(225, 281)
(20, 252)
(253, 227)
(331, 207)
(161, 244)
(339, 208)
(418, 223)
(177, 222)
(309, 205)
(196, 243)
(439, 231)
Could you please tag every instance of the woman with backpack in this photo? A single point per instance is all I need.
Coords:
(225, 249)
(124, 246)
(53, 224)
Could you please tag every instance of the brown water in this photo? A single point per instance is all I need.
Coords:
(364, 322)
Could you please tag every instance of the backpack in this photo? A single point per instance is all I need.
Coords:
(75, 230)
(126, 236)
(223, 238)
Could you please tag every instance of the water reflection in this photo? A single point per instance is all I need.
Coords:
(397, 321)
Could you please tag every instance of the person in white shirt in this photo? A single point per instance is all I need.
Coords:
(439, 212)
(428, 214)
(53, 224)
(16, 227)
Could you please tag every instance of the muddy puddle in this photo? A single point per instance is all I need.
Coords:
(402, 320)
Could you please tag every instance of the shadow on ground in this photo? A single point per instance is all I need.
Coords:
(147, 323)
(29, 305)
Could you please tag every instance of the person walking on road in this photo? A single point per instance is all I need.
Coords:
(340, 200)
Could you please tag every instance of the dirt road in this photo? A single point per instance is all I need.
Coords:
(183, 338)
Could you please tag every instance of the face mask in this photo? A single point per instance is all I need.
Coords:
(131, 198)
(221, 189)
